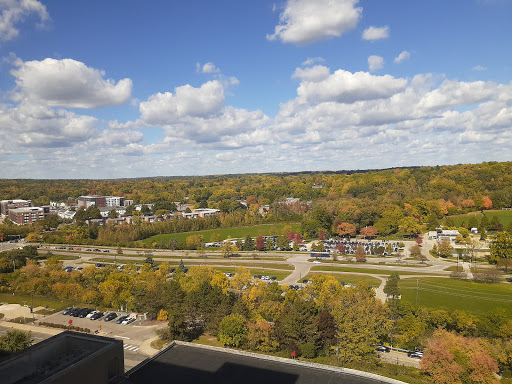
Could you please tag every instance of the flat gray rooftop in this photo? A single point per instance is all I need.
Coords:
(189, 364)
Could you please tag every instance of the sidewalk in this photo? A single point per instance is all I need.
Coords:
(30, 327)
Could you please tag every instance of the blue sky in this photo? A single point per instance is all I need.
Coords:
(95, 89)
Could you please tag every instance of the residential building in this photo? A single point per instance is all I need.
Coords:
(27, 215)
(200, 212)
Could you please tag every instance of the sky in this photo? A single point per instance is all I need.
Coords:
(122, 88)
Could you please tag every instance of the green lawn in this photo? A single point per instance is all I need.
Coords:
(350, 278)
(224, 233)
(504, 216)
(363, 270)
(457, 294)
(38, 301)
(280, 275)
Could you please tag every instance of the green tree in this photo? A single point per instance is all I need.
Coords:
(248, 244)
(391, 287)
(15, 341)
(445, 249)
(233, 331)
(501, 248)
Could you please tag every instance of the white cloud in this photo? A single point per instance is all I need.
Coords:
(312, 60)
(14, 12)
(68, 83)
(376, 33)
(167, 108)
(29, 125)
(375, 63)
(207, 68)
(313, 74)
(198, 115)
(404, 55)
(479, 68)
(346, 87)
(305, 21)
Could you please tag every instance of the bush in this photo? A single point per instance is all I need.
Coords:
(308, 350)
(458, 275)
(487, 276)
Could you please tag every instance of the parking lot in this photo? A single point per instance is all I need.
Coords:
(133, 335)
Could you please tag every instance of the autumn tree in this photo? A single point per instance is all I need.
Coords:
(260, 243)
(360, 254)
(360, 320)
(346, 229)
(369, 231)
(445, 249)
(454, 359)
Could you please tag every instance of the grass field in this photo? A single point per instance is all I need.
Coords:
(38, 301)
(351, 278)
(504, 216)
(473, 297)
(258, 271)
(363, 270)
(224, 233)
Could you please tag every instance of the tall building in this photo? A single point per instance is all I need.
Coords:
(5, 205)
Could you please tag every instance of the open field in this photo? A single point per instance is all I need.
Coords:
(363, 270)
(473, 297)
(504, 216)
(224, 233)
(280, 275)
(351, 278)
(38, 301)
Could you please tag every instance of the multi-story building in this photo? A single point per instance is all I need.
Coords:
(5, 205)
(101, 201)
(27, 215)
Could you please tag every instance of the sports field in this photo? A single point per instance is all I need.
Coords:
(470, 296)
(224, 233)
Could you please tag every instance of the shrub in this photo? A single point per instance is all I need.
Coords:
(308, 350)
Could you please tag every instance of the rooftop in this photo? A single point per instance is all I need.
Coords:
(192, 363)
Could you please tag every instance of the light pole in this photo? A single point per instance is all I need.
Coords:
(32, 306)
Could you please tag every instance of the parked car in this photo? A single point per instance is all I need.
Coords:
(84, 312)
(415, 354)
(67, 310)
(91, 313)
(383, 348)
(75, 312)
(110, 316)
(121, 319)
(128, 320)
(97, 315)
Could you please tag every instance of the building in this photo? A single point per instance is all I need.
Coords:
(22, 216)
(68, 357)
(5, 205)
(77, 358)
(101, 201)
(193, 363)
(200, 212)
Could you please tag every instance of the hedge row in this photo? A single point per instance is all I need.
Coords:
(63, 326)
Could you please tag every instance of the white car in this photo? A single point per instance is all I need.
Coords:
(317, 262)
(90, 314)
(128, 320)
